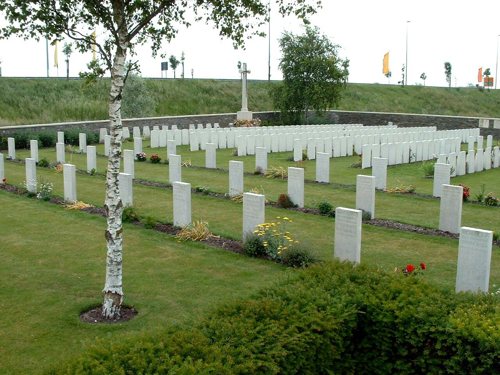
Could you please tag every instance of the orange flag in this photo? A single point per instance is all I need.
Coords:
(480, 75)
(385, 68)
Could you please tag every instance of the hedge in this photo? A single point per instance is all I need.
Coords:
(331, 318)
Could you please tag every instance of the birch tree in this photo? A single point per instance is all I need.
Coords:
(120, 25)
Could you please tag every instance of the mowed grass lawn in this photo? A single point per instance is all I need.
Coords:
(53, 259)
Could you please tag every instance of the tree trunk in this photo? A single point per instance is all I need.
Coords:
(113, 292)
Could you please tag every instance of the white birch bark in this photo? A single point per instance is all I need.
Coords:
(113, 291)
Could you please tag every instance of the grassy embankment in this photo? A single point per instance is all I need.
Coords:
(30, 101)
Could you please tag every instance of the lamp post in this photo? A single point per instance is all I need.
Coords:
(269, 45)
(406, 63)
(496, 66)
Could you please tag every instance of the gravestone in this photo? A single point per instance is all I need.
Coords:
(375, 150)
(450, 212)
(441, 176)
(60, 156)
(366, 156)
(222, 139)
(82, 142)
(487, 158)
(489, 141)
(479, 160)
(137, 146)
(322, 167)
(452, 161)
(379, 171)
(102, 133)
(471, 162)
(405, 158)
(461, 163)
(162, 139)
(30, 167)
(182, 203)
(146, 132)
(136, 132)
(11, 148)
(174, 168)
(297, 150)
(60, 137)
(154, 141)
(171, 148)
(261, 159)
(296, 185)
(128, 162)
(311, 149)
(496, 157)
(91, 159)
(126, 190)
(235, 178)
(474, 260)
(470, 143)
(2, 169)
(365, 194)
(210, 156)
(107, 144)
(194, 144)
(242, 145)
(185, 136)
(253, 212)
(347, 234)
(69, 175)
(125, 133)
(250, 141)
(34, 149)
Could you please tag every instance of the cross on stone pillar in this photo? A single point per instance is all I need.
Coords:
(244, 114)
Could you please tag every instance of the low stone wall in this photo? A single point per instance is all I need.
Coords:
(338, 117)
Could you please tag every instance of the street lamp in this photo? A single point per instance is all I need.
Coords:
(406, 63)
(496, 66)
(269, 44)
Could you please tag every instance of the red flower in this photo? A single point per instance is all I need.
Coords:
(423, 266)
(410, 268)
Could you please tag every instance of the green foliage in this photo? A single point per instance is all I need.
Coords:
(149, 222)
(333, 318)
(197, 231)
(447, 73)
(138, 101)
(44, 163)
(130, 215)
(325, 208)
(491, 200)
(428, 169)
(253, 246)
(46, 138)
(313, 75)
(298, 256)
(480, 196)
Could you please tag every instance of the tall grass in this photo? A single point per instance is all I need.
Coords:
(42, 100)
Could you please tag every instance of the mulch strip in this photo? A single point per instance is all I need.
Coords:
(94, 315)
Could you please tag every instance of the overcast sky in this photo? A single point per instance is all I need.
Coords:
(465, 33)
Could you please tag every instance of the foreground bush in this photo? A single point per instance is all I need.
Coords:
(333, 318)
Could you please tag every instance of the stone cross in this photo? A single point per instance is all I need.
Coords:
(244, 114)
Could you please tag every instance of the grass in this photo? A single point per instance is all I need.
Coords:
(53, 259)
(42, 100)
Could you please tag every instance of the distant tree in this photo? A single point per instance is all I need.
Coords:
(423, 77)
(67, 51)
(313, 75)
(183, 58)
(174, 63)
(124, 25)
(402, 82)
(447, 72)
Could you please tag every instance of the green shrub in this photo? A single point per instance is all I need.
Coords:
(130, 215)
(149, 222)
(44, 163)
(490, 200)
(47, 138)
(428, 169)
(22, 139)
(298, 257)
(331, 318)
(325, 208)
(253, 246)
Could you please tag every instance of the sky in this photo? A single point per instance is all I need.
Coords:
(464, 33)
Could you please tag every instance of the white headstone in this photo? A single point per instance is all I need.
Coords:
(450, 213)
(489, 141)
(474, 260)
(323, 167)
(125, 133)
(69, 175)
(479, 160)
(34, 149)
(182, 203)
(136, 132)
(102, 133)
(162, 139)
(11, 145)
(30, 165)
(296, 185)
(261, 159)
(126, 190)
(311, 149)
(487, 158)
(379, 171)
(496, 157)
(365, 194)
(171, 148)
(2, 169)
(441, 176)
(254, 212)
(60, 137)
(82, 142)
(210, 156)
(194, 144)
(461, 163)
(174, 168)
(366, 156)
(128, 162)
(146, 131)
(347, 234)
(235, 178)
(154, 141)
(60, 156)
(241, 143)
(452, 161)
(91, 159)
(107, 144)
(471, 162)
(137, 146)
(297, 150)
